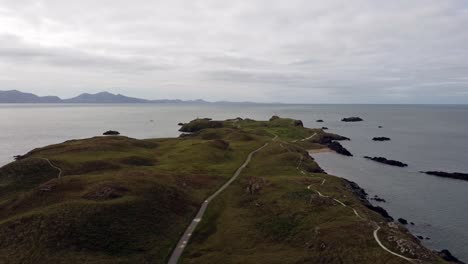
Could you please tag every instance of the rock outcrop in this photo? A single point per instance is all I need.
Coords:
(381, 139)
(111, 133)
(387, 161)
(453, 175)
(338, 148)
(352, 119)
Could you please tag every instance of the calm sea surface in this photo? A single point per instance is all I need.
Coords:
(425, 137)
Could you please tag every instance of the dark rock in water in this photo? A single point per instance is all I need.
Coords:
(324, 128)
(381, 139)
(352, 119)
(111, 133)
(338, 148)
(378, 199)
(411, 223)
(274, 117)
(298, 123)
(387, 161)
(420, 237)
(446, 255)
(380, 126)
(320, 121)
(427, 238)
(453, 175)
(181, 124)
(402, 221)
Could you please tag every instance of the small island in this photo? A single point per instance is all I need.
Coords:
(387, 161)
(381, 139)
(352, 119)
(452, 175)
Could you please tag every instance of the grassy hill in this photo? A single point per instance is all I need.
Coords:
(123, 200)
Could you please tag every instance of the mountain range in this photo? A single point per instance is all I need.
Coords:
(17, 97)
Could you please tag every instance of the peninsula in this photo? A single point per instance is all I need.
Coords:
(233, 191)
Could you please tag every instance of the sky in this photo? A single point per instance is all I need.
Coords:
(294, 51)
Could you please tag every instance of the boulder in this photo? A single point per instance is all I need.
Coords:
(320, 121)
(324, 128)
(352, 119)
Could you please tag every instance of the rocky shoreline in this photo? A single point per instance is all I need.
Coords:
(363, 197)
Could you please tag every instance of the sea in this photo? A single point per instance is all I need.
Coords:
(427, 137)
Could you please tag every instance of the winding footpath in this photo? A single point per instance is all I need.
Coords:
(179, 249)
(377, 227)
(53, 166)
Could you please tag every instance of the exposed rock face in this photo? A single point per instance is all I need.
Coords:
(402, 221)
(111, 133)
(362, 195)
(378, 199)
(199, 124)
(352, 119)
(298, 123)
(320, 121)
(381, 139)
(453, 175)
(338, 148)
(274, 117)
(387, 161)
(446, 255)
(328, 138)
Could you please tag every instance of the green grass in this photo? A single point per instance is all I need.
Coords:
(123, 200)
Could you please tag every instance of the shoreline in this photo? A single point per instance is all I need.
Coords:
(361, 193)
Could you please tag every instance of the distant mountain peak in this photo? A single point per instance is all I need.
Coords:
(15, 96)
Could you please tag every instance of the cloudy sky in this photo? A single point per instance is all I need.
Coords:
(334, 51)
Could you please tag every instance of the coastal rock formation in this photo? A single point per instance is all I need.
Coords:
(328, 138)
(378, 199)
(402, 221)
(324, 128)
(338, 148)
(320, 121)
(274, 118)
(352, 119)
(381, 139)
(362, 195)
(453, 175)
(298, 123)
(387, 161)
(446, 255)
(111, 133)
(199, 124)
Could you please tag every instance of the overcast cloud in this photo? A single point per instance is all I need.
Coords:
(334, 51)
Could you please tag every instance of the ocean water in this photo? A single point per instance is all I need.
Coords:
(427, 137)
